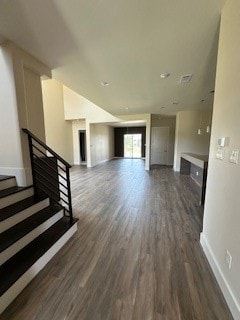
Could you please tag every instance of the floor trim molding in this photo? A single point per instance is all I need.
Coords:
(226, 290)
(23, 175)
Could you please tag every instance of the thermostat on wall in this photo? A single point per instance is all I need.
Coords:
(223, 142)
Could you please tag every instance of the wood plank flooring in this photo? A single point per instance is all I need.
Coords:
(136, 255)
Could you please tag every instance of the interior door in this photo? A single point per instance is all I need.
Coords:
(159, 145)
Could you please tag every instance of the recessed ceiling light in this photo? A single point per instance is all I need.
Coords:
(202, 100)
(165, 75)
(104, 84)
(126, 108)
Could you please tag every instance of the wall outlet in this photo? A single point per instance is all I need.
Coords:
(197, 173)
(228, 259)
(234, 154)
(220, 153)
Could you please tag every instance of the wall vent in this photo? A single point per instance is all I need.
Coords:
(185, 79)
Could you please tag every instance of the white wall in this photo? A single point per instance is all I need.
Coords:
(10, 144)
(58, 131)
(78, 107)
(221, 228)
(171, 124)
(23, 91)
(186, 136)
(29, 98)
(23, 94)
(34, 103)
(101, 144)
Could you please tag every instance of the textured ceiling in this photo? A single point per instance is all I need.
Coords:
(127, 43)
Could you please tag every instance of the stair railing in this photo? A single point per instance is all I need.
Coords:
(50, 173)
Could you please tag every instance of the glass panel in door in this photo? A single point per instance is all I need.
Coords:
(133, 145)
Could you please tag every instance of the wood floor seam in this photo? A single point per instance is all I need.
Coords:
(136, 254)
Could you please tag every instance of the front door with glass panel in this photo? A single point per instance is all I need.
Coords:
(133, 145)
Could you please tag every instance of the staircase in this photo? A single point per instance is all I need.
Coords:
(35, 222)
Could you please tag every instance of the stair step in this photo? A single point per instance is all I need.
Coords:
(7, 182)
(20, 235)
(11, 190)
(13, 194)
(3, 177)
(15, 213)
(18, 271)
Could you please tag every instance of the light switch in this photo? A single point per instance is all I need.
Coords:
(234, 154)
(223, 142)
(220, 154)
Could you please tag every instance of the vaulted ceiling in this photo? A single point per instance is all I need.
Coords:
(126, 43)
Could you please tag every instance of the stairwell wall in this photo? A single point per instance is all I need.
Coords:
(10, 143)
(22, 107)
(58, 131)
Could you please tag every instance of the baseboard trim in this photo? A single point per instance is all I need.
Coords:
(100, 162)
(226, 290)
(106, 160)
(23, 175)
(24, 280)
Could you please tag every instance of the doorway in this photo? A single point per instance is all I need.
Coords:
(82, 146)
(159, 145)
(133, 145)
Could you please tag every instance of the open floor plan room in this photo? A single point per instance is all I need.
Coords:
(136, 254)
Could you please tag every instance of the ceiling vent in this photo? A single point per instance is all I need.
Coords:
(185, 79)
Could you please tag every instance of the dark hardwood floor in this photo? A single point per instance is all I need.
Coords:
(136, 255)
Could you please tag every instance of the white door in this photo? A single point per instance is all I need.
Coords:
(159, 145)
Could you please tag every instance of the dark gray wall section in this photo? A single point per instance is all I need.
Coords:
(119, 139)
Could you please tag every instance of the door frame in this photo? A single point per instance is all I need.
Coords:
(85, 145)
(132, 134)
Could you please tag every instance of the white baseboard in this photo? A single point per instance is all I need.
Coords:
(23, 175)
(100, 162)
(24, 280)
(224, 286)
(105, 160)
